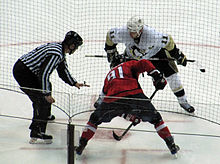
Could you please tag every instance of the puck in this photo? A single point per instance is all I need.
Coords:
(202, 70)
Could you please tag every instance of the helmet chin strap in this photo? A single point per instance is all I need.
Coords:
(71, 50)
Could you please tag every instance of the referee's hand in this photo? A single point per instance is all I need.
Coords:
(78, 85)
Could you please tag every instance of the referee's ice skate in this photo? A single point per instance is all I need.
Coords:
(40, 138)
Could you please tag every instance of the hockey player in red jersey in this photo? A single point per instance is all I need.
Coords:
(144, 42)
(122, 96)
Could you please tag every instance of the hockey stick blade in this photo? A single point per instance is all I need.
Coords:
(118, 138)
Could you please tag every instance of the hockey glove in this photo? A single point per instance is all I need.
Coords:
(135, 120)
(179, 56)
(158, 79)
(181, 60)
(111, 51)
(111, 55)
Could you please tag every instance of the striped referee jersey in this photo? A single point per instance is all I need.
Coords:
(43, 60)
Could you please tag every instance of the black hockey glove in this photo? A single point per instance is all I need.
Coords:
(135, 120)
(158, 79)
(182, 59)
(111, 55)
(179, 56)
(111, 52)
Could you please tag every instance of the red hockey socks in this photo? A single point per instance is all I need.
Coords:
(162, 130)
(89, 131)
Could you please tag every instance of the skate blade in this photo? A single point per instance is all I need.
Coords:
(40, 141)
(78, 157)
(175, 156)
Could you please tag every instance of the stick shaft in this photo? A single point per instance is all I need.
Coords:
(153, 94)
(103, 56)
(129, 127)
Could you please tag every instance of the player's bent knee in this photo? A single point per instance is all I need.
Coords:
(156, 118)
(94, 118)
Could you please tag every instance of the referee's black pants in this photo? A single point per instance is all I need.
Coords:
(29, 82)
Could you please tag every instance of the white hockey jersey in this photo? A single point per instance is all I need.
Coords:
(151, 41)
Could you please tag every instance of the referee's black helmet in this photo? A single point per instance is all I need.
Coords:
(73, 37)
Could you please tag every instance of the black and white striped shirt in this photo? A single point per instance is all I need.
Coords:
(43, 60)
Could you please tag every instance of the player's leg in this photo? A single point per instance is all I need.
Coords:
(26, 79)
(149, 114)
(89, 131)
(170, 71)
(178, 90)
(164, 132)
(41, 109)
(39, 121)
(104, 113)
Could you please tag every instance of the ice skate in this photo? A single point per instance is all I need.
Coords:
(173, 148)
(81, 147)
(171, 145)
(187, 107)
(40, 138)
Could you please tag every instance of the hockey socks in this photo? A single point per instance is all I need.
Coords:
(162, 130)
(87, 134)
(89, 131)
(165, 134)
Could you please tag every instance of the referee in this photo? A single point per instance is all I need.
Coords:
(32, 72)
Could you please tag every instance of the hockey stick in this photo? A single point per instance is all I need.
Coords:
(118, 138)
(188, 60)
(97, 56)
(154, 59)
(103, 56)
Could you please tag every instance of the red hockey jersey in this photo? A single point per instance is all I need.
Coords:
(122, 80)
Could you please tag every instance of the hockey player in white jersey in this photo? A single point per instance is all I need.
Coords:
(144, 42)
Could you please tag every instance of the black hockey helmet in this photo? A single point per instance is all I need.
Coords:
(73, 38)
